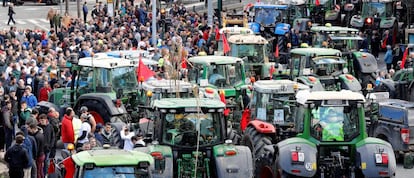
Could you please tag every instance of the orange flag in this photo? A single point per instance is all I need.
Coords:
(143, 72)
(277, 51)
(404, 58)
(226, 46)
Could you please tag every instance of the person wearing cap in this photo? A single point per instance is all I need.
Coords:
(91, 119)
(28, 96)
(84, 131)
(17, 158)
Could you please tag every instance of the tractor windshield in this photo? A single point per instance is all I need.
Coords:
(328, 66)
(273, 107)
(253, 52)
(225, 75)
(334, 123)
(124, 78)
(184, 129)
(109, 172)
(374, 8)
(268, 16)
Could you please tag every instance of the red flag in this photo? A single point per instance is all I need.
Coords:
(143, 72)
(404, 58)
(245, 119)
(271, 71)
(69, 167)
(217, 34)
(317, 3)
(277, 51)
(384, 42)
(226, 46)
(183, 63)
(223, 99)
(51, 168)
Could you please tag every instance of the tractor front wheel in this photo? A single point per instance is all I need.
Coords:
(256, 141)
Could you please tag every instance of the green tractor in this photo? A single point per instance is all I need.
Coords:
(190, 141)
(362, 65)
(269, 118)
(322, 69)
(331, 142)
(102, 84)
(105, 163)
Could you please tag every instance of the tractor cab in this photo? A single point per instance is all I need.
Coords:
(190, 141)
(103, 84)
(321, 68)
(218, 72)
(341, 38)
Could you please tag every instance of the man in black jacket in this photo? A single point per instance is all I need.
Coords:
(40, 141)
(11, 13)
(17, 158)
(49, 138)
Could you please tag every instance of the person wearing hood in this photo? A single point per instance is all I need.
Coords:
(388, 57)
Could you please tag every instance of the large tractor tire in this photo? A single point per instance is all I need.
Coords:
(233, 136)
(98, 111)
(256, 142)
(116, 130)
(411, 92)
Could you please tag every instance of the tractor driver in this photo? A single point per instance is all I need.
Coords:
(332, 125)
(215, 76)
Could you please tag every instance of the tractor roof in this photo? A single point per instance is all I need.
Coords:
(133, 55)
(378, 1)
(305, 95)
(111, 157)
(235, 30)
(260, 5)
(334, 29)
(247, 39)
(102, 60)
(315, 51)
(278, 86)
(208, 60)
(171, 103)
(168, 86)
(397, 103)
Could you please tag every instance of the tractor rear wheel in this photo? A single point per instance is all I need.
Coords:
(256, 142)
(98, 111)
(116, 129)
(233, 136)
(411, 97)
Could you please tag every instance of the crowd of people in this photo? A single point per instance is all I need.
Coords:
(33, 62)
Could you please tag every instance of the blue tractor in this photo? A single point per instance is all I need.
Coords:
(272, 22)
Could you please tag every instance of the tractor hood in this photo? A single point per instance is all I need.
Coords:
(367, 62)
(255, 27)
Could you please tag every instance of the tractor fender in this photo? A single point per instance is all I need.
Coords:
(234, 165)
(284, 151)
(262, 127)
(166, 151)
(105, 99)
(349, 82)
(255, 27)
(366, 150)
(381, 130)
(357, 21)
(282, 28)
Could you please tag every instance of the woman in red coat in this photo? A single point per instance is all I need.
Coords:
(44, 92)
